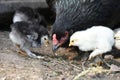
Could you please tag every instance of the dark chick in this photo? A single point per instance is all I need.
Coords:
(76, 15)
(23, 14)
(28, 14)
(43, 34)
(24, 35)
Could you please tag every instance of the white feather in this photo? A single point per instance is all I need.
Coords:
(97, 38)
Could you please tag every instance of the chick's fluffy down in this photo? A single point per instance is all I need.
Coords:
(117, 38)
(100, 39)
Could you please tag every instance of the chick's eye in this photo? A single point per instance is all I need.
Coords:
(72, 41)
(45, 39)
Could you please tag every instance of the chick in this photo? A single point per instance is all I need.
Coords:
(98, 39)
(28, 14)
(28, 35)
(117, 38)
(24, 14)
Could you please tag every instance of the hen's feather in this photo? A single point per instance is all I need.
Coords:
(81, 14)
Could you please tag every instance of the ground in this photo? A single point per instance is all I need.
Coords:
(14, 66)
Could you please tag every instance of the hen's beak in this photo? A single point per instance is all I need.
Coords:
(55, 47)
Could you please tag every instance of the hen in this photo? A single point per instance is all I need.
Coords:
(76, 15)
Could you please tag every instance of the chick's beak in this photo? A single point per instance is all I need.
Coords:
(70, 44)
(47, 42)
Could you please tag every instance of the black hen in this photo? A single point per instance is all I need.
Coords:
(74, 15)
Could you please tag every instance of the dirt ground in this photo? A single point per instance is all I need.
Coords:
(14, 66)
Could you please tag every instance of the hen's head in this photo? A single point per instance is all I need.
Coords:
(59, 41)
(61, 32)
(75, 39)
